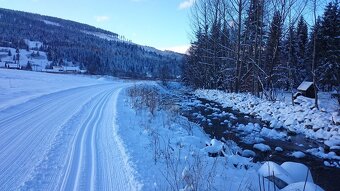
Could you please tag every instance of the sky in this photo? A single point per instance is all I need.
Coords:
(163, 24)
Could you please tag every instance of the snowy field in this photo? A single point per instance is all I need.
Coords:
(63, 136)
(73, 132)
(18, 86)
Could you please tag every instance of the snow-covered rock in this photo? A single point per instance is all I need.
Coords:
(298, 154)
(290, 176)
(248, 153)
(302, 186)
(301, 118)
(276, 174)
(262, 147)
(215, 148)
(298, 172)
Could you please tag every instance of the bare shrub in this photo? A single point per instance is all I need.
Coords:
(144, 97)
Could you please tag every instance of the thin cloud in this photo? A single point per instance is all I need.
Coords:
(186, 4)
(102, 18)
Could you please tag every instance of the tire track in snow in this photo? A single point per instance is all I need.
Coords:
(25, 138)
(84, 151)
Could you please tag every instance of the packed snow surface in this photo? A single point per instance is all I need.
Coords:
(18, 86)
(65, 139)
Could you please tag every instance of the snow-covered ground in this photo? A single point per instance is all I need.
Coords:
(63, 140)
(171, 153)
(38, 63)
(73, 132)
(17, 86)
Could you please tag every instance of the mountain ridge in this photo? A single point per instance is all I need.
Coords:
(100, 51)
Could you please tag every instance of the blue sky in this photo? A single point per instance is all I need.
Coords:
(163, 24)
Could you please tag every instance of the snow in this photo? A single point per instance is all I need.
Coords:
(65, 139)
(51, 23)
(295, 175)
(298, 172)
(302, 186)
(75, 132)
(214, 147)
(248, 153)
(33, 44)
(269, 169)
(302, 118)
(38, 63)
(262, 147)
(304, 86)
(298, 154)
(103, 36)
(165, 153)
(18, 86)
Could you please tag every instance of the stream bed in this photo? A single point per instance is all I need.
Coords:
(222, 123)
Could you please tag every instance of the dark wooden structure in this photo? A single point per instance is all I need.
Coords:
(306, 89)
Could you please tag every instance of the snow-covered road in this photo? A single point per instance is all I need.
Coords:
(65, 141)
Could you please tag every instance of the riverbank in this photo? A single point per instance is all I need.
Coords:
(302, 118)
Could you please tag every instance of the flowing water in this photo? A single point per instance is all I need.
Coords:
(220, 122)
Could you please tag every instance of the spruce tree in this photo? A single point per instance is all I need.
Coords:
(302, 40)
(273, 50)
(329, 67)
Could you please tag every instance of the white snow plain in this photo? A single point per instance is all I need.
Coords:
(64, 136)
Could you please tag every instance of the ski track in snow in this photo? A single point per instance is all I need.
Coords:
(65, 141)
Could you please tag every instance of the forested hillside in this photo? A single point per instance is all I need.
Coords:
(97, 50)
(258, 46)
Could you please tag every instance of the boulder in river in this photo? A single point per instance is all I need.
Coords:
(289, 176)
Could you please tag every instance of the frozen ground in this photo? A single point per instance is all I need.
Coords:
(71, 132)
(18, 86)
(171, 153)
(63, 140)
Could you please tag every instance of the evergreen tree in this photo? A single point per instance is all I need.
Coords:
(29, 66)
(253, 36)
(302, 40)
(290, 59)
(273, 50)
(330, 32)
(315, 32)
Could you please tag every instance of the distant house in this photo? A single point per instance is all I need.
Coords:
(71, 69)
(57, 69)
(306, 89)
(12, 65)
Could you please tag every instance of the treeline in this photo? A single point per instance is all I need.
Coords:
(258, 46)
(68, 41)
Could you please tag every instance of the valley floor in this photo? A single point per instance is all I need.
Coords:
(69, 132)
(65, 140)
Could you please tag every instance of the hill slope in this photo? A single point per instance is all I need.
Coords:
(99, 51)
